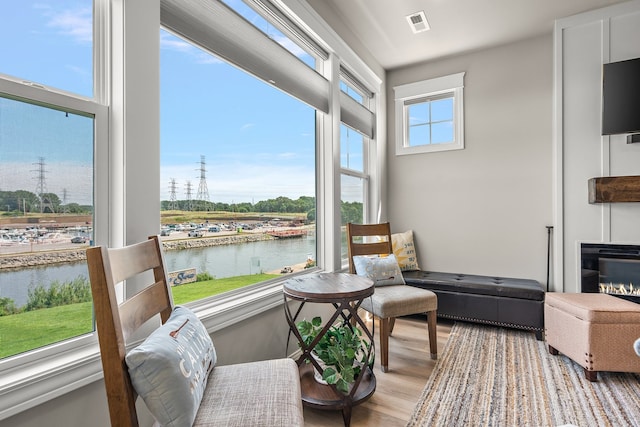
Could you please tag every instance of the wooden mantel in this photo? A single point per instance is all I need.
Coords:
(612, 189)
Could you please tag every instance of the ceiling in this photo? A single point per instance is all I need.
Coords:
(457, 26)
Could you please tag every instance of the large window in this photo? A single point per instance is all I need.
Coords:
(245, 143)
(429, 115)
(48, 134)
(354, 153)
(237, 174)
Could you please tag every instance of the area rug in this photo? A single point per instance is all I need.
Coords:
(492, 376)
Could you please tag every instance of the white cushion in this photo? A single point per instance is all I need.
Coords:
(170, 369)
(382, 269)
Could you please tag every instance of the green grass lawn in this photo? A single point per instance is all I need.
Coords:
(33, 329)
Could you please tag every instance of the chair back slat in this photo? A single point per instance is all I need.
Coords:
(367, 239)
(115, 322)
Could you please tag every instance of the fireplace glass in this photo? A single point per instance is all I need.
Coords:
(612, 269)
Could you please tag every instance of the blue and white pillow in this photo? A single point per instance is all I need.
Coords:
(382, 269)
(170, 369)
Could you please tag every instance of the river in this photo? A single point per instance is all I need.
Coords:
(219, 261)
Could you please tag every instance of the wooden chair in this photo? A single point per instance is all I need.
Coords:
(258, 393)
(389, 302)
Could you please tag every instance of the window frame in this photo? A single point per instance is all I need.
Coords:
(27, 376)
(425, 91)
(32, 378)
(29, 380)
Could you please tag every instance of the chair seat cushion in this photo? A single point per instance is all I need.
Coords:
(400, 300)
(265, 393)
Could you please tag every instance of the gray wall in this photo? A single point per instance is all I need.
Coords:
(482, 210)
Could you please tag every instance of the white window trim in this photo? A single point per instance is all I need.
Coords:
(37, 376)
(404, 94)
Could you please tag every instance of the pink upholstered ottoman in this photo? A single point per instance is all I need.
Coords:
(597, 331)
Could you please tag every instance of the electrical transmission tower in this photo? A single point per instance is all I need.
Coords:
(41, 187)
(203, 191)
(64, 200)
(189, 202)
(173, 204)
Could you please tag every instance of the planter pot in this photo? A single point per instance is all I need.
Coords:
(316, 374)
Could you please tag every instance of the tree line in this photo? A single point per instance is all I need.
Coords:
(22, 201)
(350, 211)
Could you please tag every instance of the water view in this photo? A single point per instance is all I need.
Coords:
(219, 261)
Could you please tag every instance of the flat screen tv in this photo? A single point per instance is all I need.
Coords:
(621, 97)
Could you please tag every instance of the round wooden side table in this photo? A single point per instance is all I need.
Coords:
(345, 292)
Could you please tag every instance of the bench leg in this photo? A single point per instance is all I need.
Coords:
(553, 351)
(433, 336)
(539, 335)
(591, 375)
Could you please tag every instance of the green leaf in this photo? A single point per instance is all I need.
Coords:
(343, 386)
(330, 375)
(348, 374)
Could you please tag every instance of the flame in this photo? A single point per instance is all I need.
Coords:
(619, 288)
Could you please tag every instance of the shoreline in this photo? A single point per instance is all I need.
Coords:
(70, 255)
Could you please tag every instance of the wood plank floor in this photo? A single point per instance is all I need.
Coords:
(398, 390)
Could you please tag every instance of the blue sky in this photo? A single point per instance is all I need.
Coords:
(258, 142)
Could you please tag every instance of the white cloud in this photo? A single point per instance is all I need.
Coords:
(76, 23)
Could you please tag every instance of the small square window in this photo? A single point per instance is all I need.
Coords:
(429, 115)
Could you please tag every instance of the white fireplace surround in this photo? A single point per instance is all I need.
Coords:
(582, 43)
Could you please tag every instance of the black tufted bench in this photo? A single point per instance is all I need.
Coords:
(503, 301)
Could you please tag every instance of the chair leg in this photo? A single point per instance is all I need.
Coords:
(392, 323)
(384, 344)
(433, 336)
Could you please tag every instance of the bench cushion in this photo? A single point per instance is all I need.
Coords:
(479, 285)
(515, 303)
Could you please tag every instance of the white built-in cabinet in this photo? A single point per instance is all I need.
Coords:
(582, 43)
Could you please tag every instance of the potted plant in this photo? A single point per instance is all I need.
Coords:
(341, 352)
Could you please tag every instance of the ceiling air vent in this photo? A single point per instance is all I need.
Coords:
(418, 22)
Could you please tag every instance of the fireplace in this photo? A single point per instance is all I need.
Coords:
(611, 268)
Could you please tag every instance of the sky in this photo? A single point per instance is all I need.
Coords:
(258, 142)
